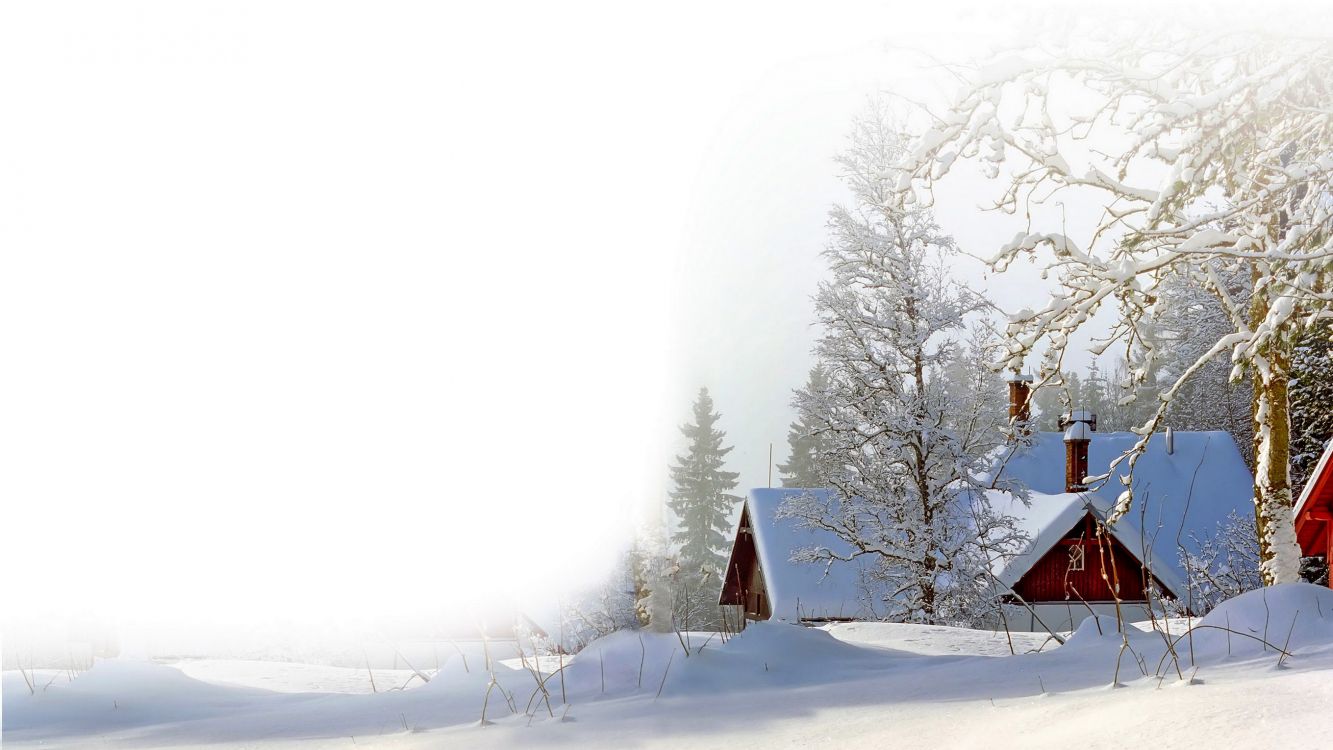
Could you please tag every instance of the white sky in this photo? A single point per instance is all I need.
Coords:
(313, 309)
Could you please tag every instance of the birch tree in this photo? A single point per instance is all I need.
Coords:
(900, 450)
(1211, 156)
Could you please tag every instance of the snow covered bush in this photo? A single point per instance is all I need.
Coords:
(604, 609)
(1225, 565)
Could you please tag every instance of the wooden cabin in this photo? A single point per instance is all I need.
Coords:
(765, 583)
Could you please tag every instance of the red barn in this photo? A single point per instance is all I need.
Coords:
(1314, 513)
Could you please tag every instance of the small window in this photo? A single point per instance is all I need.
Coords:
(1076, 557)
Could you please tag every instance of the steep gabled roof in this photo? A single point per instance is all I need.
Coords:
(1177, 495)
(799, 590)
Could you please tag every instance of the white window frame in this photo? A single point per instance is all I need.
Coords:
(1078, 557)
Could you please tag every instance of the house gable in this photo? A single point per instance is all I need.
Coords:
(1183, 490)
(1072, 570)
(765, 574)
(743, 585)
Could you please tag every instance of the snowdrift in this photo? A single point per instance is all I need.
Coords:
(769, 674)
(1296, 617)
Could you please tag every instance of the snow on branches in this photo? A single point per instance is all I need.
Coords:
(1211, 157)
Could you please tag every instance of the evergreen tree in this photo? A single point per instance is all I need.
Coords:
(701, 499)
(1094, 396)
(1123, 413)
(802, 467)
(1071, 394)
(1311, 393)
(1187, 320)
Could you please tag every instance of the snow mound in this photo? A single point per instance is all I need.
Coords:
(625, 662)
(1095, 629)
(1294, 616)
(774, 638)
(772, 654)
(766, 654)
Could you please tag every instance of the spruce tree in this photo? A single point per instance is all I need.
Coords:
(1094, 395)
(700, 498)
(802, 467)
(1311, 394)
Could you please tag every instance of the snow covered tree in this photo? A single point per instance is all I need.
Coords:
(1129, 408)
(1050, 401)
(1224, 565)
(1095, 395)
(1213, 156)
(1188, 319)
(650, 563)
(1311, 401)
(906, 462)
(603, 608)
(802, 467)
(700, 497)
(973, 388)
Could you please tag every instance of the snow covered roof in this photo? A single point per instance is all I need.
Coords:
(804, 589)
(1187, 491)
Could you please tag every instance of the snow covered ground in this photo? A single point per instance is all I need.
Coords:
(860, 685)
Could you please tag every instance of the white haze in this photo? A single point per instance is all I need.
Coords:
(318, 311)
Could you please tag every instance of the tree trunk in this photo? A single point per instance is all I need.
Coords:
(1279, 555)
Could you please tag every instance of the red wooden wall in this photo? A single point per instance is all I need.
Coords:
(744, 582)
(1314, 520)
(1052, 580)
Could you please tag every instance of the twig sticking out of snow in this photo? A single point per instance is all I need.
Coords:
(1201, 626)
(1286, 645)
(665, 672)
(369, 671)
(642, 653)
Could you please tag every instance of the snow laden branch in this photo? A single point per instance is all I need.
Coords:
(1211, 157)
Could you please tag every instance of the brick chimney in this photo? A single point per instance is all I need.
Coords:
(1020, 392)
(1077, 437)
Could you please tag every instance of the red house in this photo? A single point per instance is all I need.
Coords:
(1314, 512)
(1185, 485)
